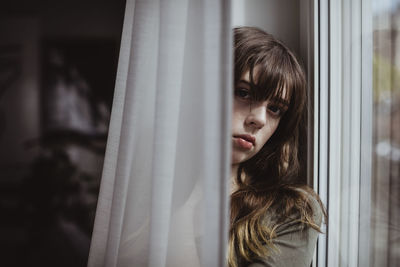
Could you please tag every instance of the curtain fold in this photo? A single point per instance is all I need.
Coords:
(164, 190)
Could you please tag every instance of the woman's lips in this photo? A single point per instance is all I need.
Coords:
(244, 141)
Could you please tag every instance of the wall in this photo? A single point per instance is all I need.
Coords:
(280, 18)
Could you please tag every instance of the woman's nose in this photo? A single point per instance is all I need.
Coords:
(257, 116)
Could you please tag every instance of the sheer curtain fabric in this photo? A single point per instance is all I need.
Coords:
(164, 190)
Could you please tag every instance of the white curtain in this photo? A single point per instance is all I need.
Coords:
(164, 192)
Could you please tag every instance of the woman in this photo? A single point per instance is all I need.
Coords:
(274, 218)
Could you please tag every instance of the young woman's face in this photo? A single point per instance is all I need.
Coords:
(253, 123)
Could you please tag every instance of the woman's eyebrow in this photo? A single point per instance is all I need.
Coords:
(245, 82)
(281, 101)
(278, 100)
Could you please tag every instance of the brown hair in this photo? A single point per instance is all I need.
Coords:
(269, 183)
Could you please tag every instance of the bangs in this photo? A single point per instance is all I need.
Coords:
(273, 77)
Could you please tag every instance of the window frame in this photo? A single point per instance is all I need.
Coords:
(343, 128)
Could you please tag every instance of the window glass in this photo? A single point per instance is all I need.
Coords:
(385, 230)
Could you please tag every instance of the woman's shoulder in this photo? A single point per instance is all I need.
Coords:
(316, 207)
(297, 208)
(296, 232)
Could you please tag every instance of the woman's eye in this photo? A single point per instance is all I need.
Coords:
(275, 110)
(242, 93)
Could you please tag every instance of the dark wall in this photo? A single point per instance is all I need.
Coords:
(58, 61)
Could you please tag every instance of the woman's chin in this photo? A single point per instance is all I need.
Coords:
(239, 157)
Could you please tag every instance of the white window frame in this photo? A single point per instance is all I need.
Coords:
(343, 128)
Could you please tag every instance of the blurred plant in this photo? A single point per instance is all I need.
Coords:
(57, 189)
(386, 78)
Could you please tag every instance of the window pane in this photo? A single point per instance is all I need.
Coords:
(385, 230)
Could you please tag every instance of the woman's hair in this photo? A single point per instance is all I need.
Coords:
(269, 184)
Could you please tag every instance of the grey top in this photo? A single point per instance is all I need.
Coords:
(296, 246)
